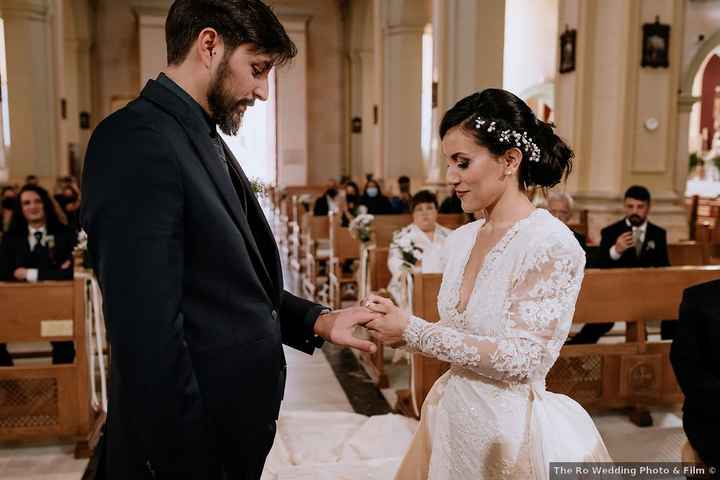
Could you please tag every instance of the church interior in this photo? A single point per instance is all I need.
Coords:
(344, 156)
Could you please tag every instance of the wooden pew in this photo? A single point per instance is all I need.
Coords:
(317, 251)
(40, 403)
(424, 371)
(343, 247)
(636, 373)
(687, 253)
(633, 374)
(375, 276)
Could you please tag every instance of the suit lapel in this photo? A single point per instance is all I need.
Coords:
(254, 210)
(196, 131)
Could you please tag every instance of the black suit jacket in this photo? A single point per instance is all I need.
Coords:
(15, 253)
(654, 252)
(193, 294)
(696, 361)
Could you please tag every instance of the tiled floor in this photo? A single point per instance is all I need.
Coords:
(41, 463)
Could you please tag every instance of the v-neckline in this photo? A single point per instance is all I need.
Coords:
(499, 245)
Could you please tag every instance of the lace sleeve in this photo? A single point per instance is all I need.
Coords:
(538, 314)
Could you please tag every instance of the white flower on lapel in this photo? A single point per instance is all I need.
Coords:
(50, 241)
(651, 245)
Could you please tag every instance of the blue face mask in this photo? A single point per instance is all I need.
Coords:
(372, 192)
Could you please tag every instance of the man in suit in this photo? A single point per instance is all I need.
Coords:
(696, 361)
(191, 278)
(37, 247)
(633, 242)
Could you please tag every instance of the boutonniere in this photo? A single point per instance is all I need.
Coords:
(651, 245)
(50, 241)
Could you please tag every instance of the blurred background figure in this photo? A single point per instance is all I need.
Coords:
(38, 247)
(9, 205)
(374, 200)
(401, 203)
(695, 360)
(561, 205)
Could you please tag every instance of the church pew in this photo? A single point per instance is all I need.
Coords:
(317, 250)
(686, 253)
(375, 276)
(632, 374)
(343, 247)
(43, 402)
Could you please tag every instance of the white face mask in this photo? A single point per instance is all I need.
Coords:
(372, 192)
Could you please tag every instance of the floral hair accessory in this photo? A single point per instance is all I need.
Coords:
(520, 140)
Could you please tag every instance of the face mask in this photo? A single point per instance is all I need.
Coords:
(372, 192)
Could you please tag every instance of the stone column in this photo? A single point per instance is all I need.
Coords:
(292, 108)
(151, 16)
(32, 96)
(621, 118)
(399, 61)
(468, 46)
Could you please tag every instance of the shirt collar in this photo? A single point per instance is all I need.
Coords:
(187, 98)
(33, 231)
(642, 227)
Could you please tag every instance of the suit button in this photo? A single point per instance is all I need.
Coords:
(274, 314)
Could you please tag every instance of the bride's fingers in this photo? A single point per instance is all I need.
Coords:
(378, 307)
(378, 299)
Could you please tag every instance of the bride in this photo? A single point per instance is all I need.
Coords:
(506, 304)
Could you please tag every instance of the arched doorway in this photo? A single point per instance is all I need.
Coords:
(693, 113)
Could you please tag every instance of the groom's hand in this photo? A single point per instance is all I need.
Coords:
(338, 327)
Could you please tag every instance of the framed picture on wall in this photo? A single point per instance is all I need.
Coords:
(567, 50)
(656, 45)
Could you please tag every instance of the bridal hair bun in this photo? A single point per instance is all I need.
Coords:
(499, 121)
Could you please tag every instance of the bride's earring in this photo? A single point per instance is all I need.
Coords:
(508, 173)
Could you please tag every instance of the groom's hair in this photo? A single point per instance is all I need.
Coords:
(238, 22)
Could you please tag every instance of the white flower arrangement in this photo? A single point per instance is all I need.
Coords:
(361, 226)
(82, 239)
(259, 188)
(403, 241)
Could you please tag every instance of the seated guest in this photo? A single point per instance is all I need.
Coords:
(401, 203)
(325, 203)
(451, 204)
(695, 360)
(374, 200)
(32, 180)
(38, 247)
(633, 242)
(9, 203)
(69, 201)
(560, 205)
(426, 234)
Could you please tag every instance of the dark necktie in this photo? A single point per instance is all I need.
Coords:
(221, 152)
(38, 241)
(234, 180)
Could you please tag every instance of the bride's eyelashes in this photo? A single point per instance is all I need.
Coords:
(463, 163)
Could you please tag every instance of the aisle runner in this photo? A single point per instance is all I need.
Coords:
(338, 446)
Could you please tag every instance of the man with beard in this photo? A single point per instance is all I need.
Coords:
(633, 242)
(193, 293)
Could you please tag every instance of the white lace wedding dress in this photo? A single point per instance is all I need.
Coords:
(489, 416)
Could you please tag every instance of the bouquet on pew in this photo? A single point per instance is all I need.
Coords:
(361, 226)
(403, 241)
(259, 188)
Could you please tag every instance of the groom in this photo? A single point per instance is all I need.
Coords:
(193, 295)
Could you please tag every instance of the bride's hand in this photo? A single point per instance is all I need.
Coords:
(390, 327)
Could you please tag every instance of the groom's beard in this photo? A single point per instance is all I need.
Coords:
(226, 111)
